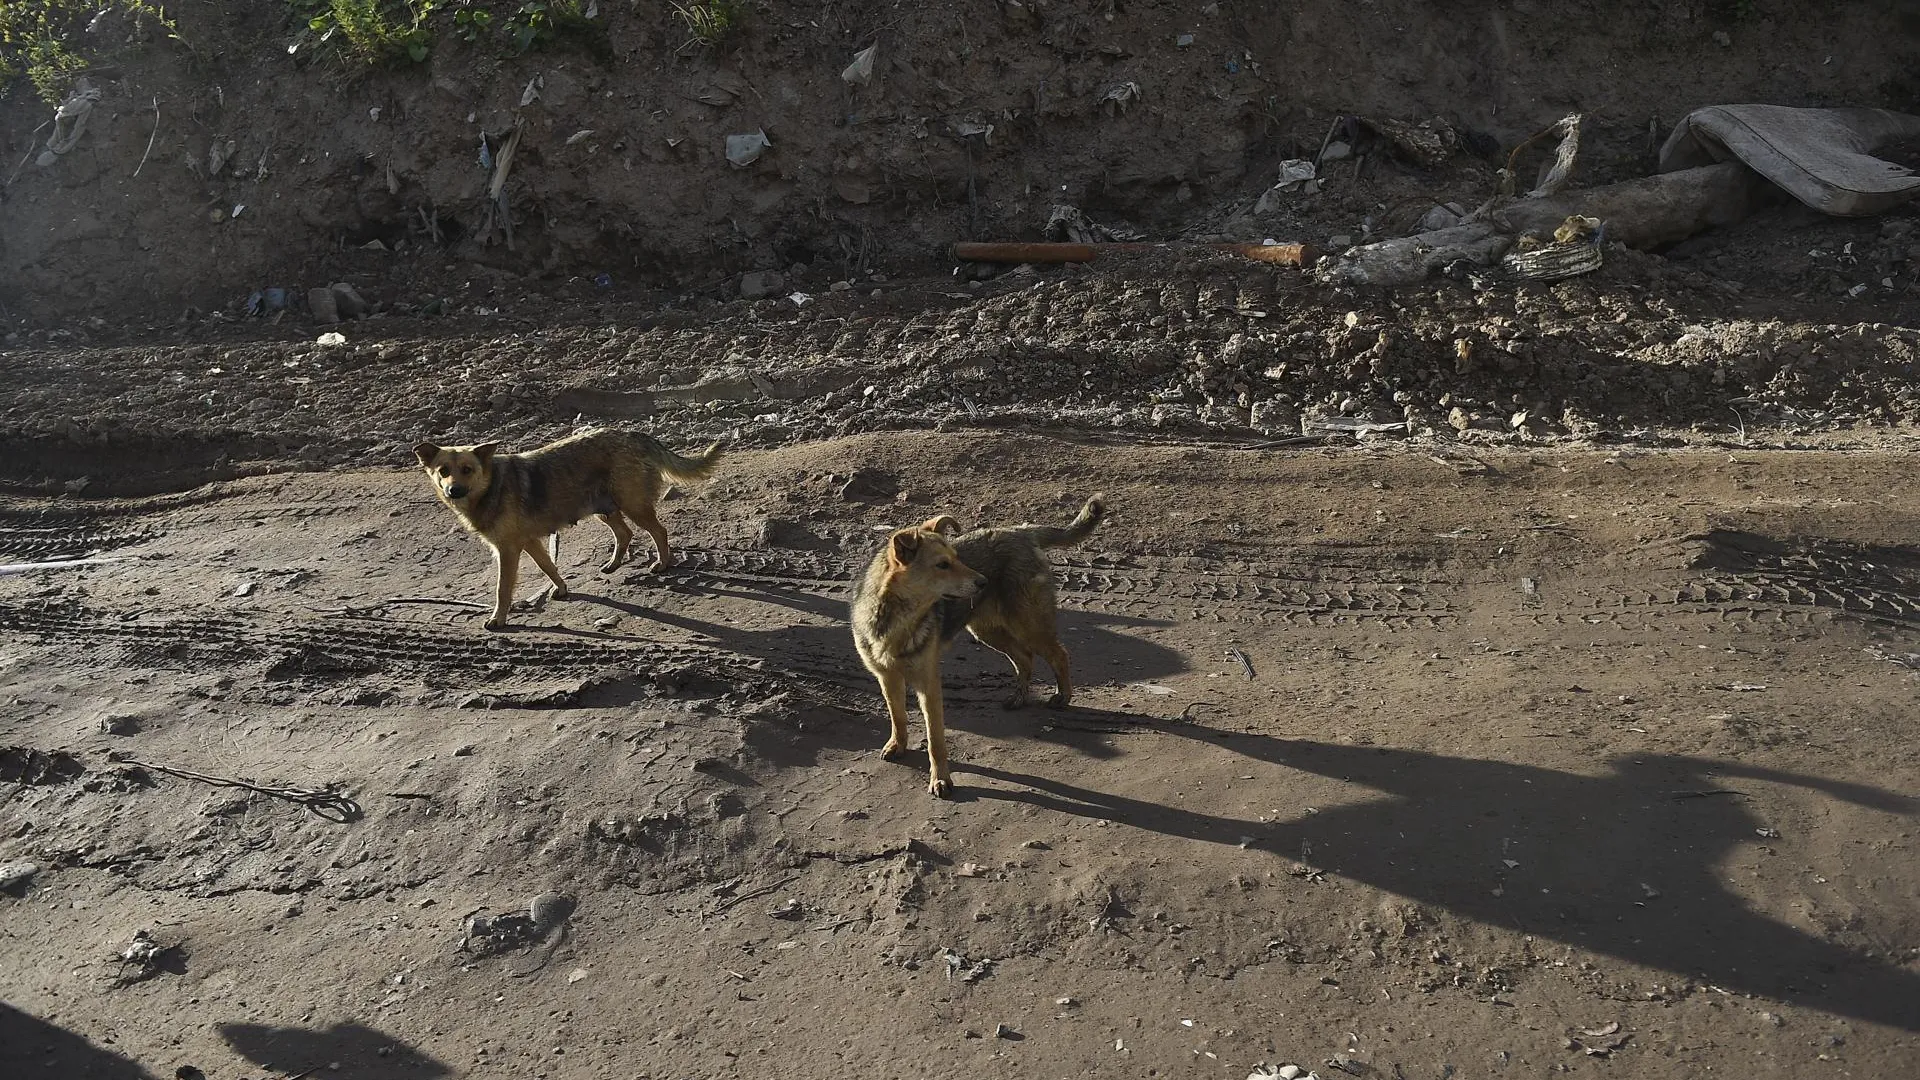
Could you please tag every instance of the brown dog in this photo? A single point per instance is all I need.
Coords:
(923, 588)
(516, 501)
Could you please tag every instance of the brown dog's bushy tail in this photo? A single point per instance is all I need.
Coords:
(683, 469)
(1091, 515)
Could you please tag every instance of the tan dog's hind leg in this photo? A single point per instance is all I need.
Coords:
(1056, 657)
(939, 780)
(1002, 641)
(893, 687)
(544, 561)
(506, 573)
(622, 540)
(649, 520)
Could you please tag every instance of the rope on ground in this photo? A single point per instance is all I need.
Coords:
(326, 801)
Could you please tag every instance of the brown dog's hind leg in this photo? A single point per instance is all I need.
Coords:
(648, 519)
(939, 780)
(506, 572)
(1056, 657)
(893, 687)
(622, 540)
(1002, 641)
(538, 550)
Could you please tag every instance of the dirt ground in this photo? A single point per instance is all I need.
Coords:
(1422, 764)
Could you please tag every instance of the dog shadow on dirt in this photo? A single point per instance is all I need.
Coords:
(976, 678)
(358, 1050)
(30, 1046)
(1629, 863)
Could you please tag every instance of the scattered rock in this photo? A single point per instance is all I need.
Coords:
(17, 873)
(761, 284)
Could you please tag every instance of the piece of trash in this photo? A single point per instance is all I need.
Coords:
(744, 150)
(14, 873)
(218, 154)
(1296, 177)
(532, 93)
(576, 975)
(1555, 262)
(1246, 662)
(486, 155)
(789, 910)
(1601, 1032)
(1353, 424)
(1530, 587)
(1068, 223)
(1825, 158)
(860, 72)
(1151, 688)
(1183, 41)
(1769, 832)
(1910, 661)
(972, 869)
(330, 339)
(800, 299)
(603, 280)
(1744, 687)
(237, 207)
(1186, 1023)
(7, 569)
(1121, 96)
(245, 589)
(70, 119)
(579, 136)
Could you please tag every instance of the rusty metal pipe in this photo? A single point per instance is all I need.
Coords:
(1273, 254)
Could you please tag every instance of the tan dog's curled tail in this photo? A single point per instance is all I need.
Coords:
(1091, 515)
(682, 469)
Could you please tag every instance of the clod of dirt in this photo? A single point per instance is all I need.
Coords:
(870, 485)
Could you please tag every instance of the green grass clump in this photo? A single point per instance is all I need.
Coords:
(42, 39)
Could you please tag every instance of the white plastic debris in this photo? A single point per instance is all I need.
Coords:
(330, 339)
(13, 873)
(860, 72)
(744, 150)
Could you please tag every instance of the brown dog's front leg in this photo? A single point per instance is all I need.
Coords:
(506, 573)
(939, 781)
(893, 687)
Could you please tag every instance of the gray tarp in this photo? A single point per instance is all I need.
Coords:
(1822, 157)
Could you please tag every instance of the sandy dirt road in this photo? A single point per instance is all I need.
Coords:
(1419, 765)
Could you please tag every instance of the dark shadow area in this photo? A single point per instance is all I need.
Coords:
(361, 1051)
(32, 1047)
(1629, 864)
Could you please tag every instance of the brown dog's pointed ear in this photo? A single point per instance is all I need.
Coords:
(485, 451)
(945, 523)
(904, 546)
(426, 452)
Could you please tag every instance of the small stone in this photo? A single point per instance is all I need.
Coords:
(1003, 1031)
(14, 873)
(841, 286)
(1722, 39)
(119, 724)
(1289, 1072)
(464, 751)
(1341, 241)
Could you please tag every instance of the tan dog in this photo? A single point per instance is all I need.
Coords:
(516, 501)
(923, 588)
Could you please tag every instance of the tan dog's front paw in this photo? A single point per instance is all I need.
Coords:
(660, 564)
(892, 750)
(498, 622)
(939, 786)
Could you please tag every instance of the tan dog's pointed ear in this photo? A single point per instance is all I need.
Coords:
(485, 451)
(426, 452)
(903, 547)
(945, 523)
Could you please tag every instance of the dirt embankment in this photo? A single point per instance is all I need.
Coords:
(979, 117)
